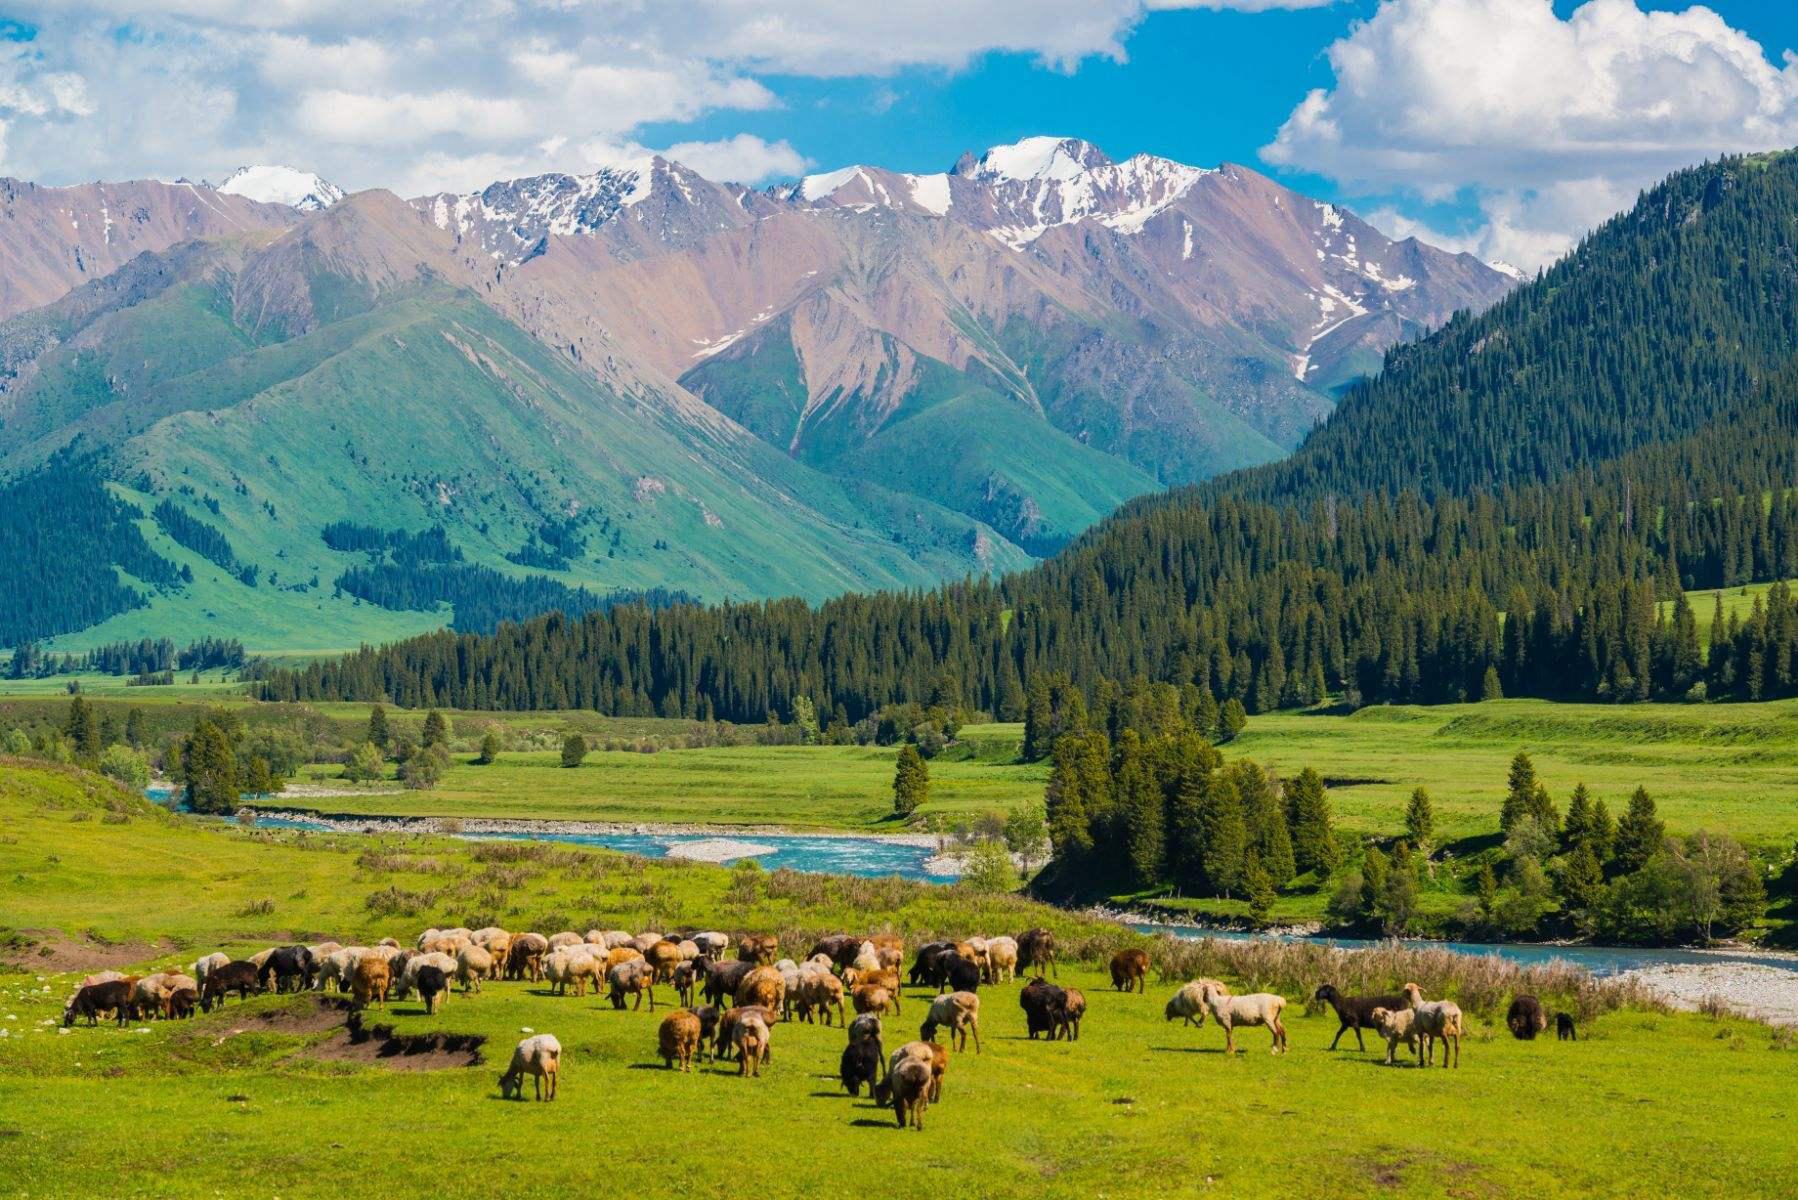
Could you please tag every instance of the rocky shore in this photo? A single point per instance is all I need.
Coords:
(1763, 993)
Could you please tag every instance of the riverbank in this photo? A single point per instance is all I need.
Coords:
(1761, 993)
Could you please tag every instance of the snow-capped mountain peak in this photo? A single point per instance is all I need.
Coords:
(1505, 268)
(1045, 157)
(274, 184)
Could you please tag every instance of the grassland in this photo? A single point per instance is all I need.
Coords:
(258, 1097)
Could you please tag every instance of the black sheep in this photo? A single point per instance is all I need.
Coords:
(959, 975)
(1356, 1012)
(860, 1065)
(1564, 1030)
(1036, 951)
(928, 969)
(432, 983)
(1045, 1007)
(708, 1028)
(96, 998)
(1526, 1018)
(288, 964)
(722, 978)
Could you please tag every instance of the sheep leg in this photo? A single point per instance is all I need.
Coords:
(975, 1026)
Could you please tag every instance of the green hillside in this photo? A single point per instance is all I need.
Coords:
(418, 408)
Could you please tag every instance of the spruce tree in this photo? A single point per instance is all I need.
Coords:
(1231, 719)
(1313, 840)
(209, 766)
(1064, 801)
(134, 728)
(911, 781)
(1581, 885)
(1186, 814)
(436, 732)
(1520, 792)
(1226, 835)
(1577, 829)
(1639, 834)
(82, 729)
(1374, 868)
(1490, 688)
(1542, 808)
(1603, 835)
(1140, 806)
(378, 733)
(1420, 820)
(1038, 718)
(1259, 889)
(1270, 838)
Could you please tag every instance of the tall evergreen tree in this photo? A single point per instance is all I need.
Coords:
(378, 733)
(911, 781)
(1420, 820)
(209, 768)
(1270, 838)
(1640, 834)
(82, 729)
(1313, 840)
(1226, 835)
(1520, 792)
(436, 731)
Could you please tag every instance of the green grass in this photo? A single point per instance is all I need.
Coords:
(1738, 602)
(1136, 1107)
(805, 787)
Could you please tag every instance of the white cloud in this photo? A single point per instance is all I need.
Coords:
(1235, 5)
(741, 159)
(1552, 124)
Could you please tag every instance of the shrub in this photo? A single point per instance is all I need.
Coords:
(126, 765)
(365, 764)
(574, 750)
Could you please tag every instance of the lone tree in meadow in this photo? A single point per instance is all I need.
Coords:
(378, 733)
(574, 749)
(436, 730)
(911, 781)
(489, 749)
(1420, 821)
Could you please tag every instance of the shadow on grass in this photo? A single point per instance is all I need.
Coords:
(871, 1123)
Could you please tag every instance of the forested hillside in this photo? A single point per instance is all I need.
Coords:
(1620, 430)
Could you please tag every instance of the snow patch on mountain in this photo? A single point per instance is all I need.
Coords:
(931, 193)
(1505, 268)
(274, 184)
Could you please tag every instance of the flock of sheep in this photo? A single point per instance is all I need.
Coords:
(730, 1004)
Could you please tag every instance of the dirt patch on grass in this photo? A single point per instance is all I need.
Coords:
(379, 1045)
(49, 951)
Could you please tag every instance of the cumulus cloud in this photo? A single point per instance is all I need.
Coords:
(1552, 124)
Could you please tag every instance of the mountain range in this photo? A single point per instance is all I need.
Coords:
(642, 379)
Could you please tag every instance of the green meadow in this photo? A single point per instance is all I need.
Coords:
(266, 1097)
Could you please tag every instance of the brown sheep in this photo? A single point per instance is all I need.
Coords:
(371, 981)
(1130, 970)
(762, 987)
(632, 978)
(524, 958)
(540, 1057)
(871, 998)
(1395, 1025)
(678, 1038)
(1036, 951)
(760, 948)
(727, 1029)
(750, 1037)
(1526, 1018)
(663, 957)
(1073, 1008)
(960, 1012)
(933, 1056)
(909, 1088)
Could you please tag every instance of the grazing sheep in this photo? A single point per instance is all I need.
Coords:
(432, 984)
(1436, 1019)
(727, 1030)
(540, 1057)
(643, 943)
(182, 1001)
(1043, 1004)
(611, 939)
(632, 978)
(931, 966)
(408, 977)
(203, 967)
(871, 998)
(711, 943)
(932, 1056)
(1188, 1004)
(525, 958)
(689, 949)
(1001, 959)
(867, 957)
(338, 968)
(960, 1011)
(960, 974)
(112, 996)
(289, 964)
(1261, 1008)
(822, 991)
(260, 957)
(1356, 1012)
(1072, 1009)
(859, 1066)
(867, 1028)
(1395, 1025)
(720, 979)
(1525, 1019)
(750, 1039)
(839, 948)
(370, 982)
(1130, 970)
(473, 964)
(762, 987)
(678, 1037)
(1564, 1030)
(486, 934)
(758, 948)
(146, 996)
(708, 1026)
(431, 934)
(562, 968)
(1036, 951)
(909, 1087)
(499, 951)
(685, 977)
(566, 938)
(241, 977)
(173, 984)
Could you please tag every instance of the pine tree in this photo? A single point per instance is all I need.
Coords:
(83, 730)
(1520, 792)
(134, 728)
(1420, 820)
(1639, 834)
(1186, 813)
(1270, 838)
(1398, 899)
(257, 780)
(1490, 688)
(1065, 801)
(1259, 889)
(1542, 809)
(1140, 805)
(1603, 835)
(911, 781)
(1374, 868)
(1577, 829)
(1486, 889)
(1226, 835)
(1582, 884)
(805, 715)
(436, 732)
(209, 766)
(1038, 719)
(1313, 841)
(378, 733)
(1230, 720)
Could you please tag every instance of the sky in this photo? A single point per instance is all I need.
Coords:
(1502, 127)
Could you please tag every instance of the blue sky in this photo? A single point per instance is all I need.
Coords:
(1501, 126)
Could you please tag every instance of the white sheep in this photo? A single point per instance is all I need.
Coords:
(611, 939)
(339, 967)
(867, 959)
(203, 967)
(711, 943)
(960, 1011)
(540, 1057)
(409, 977)
(1261, 1008)
(566, 938)
(473, 964)
(568, 965)
(1188, 1004)
(1436, 1019)
(1396, 1025)
(1001, 959)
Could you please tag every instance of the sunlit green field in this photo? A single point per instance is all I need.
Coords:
(251, 1100)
